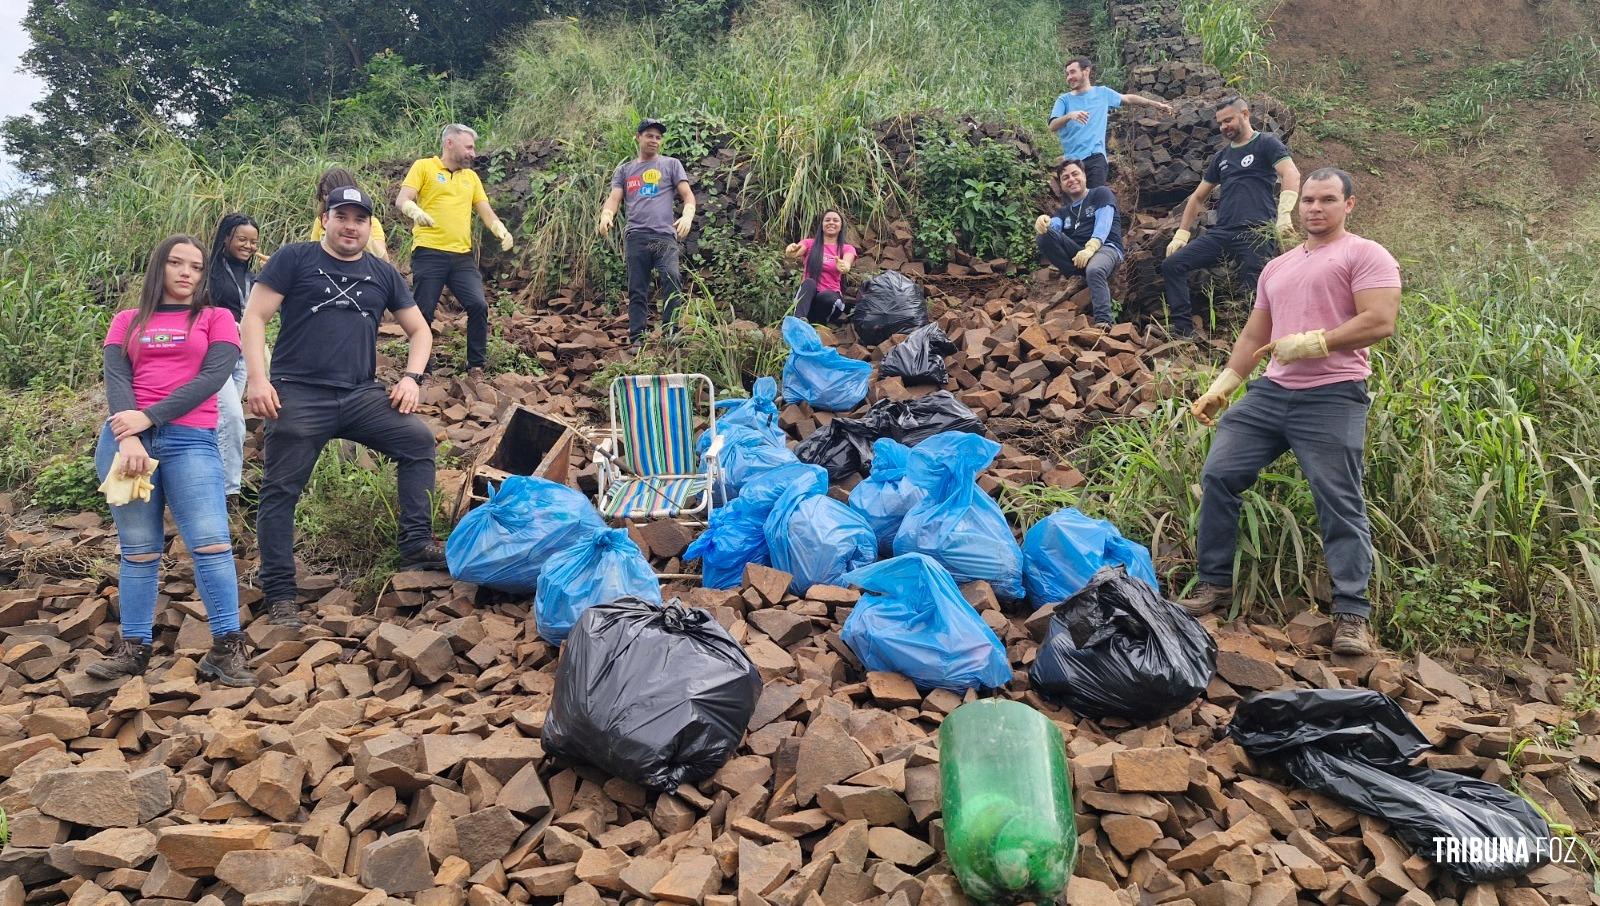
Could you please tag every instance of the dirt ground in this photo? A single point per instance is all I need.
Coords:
(1538, 169)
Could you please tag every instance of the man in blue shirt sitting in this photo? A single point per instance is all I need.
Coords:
(1079, 118)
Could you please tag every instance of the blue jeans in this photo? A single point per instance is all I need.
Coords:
(230, 429)
(1326, 429)
(189, 479)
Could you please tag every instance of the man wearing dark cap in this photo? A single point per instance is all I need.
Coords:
(332, 294)
(648, 182)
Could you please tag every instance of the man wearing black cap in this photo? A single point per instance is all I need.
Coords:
(652, 235)
(332, 294)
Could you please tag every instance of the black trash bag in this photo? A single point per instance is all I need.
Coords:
(889, 303)
(658, 695)
(842, 446)
(1356, 746)
(919, 358)
(1118, 649)
(913, 421)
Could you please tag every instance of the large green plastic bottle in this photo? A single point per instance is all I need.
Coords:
(1008, 826)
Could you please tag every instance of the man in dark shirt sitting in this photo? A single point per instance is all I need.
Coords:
(332, 294)
(1084, 237)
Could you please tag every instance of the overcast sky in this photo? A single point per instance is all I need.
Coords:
(21, 89)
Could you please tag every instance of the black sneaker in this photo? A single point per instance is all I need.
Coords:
(429, 556)
(284, 613)
(130, 658)
(226, 662)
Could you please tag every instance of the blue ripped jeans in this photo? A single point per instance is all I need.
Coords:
(189, 479)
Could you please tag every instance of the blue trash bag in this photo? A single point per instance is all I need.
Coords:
(504, 543)
(958, 524)
(759, 412)
(746, 454)
(818, 374)
(736, 535)
(1063, 551)
(599, 570)
(913, 620)
(886, 495)
(816, 539)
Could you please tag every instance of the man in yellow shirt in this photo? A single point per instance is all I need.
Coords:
(439, 194)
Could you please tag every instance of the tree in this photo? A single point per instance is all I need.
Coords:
(111, 66)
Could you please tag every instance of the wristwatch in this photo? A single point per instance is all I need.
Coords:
(420, 377)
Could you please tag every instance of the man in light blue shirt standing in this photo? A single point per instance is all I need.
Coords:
(1079, 118)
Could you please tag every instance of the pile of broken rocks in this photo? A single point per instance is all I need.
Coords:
(395, 756)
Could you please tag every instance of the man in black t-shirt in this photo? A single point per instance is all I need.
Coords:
(332, 295)
(1253, 169)
(1084, 236)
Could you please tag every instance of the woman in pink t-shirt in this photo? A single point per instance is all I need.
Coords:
(820, 299)
(164, 362)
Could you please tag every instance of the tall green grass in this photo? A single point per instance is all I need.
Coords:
(1233, 33)
(1483, 456)
(798, 88)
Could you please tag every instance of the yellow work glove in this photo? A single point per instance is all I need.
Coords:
(1216, 398)
(1287, 199)
(1179, 240)
(1041, 224)
(121, 489)
(418, 216)
(503, 234)
(1312, 344)
(684, 222)
(606, 216)
(1081, 260)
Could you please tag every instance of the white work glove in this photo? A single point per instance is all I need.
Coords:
(418, 216)
(122, 489)
(1216, 398)
(1287, 199)
(1081, 260)
(1312, 344)
(1179, 240)
(503, 234)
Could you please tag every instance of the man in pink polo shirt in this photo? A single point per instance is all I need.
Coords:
(1318, 308)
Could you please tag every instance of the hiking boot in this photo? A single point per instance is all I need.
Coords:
(475, 374)
(428, 556)
(284, 613)
(226, 662)
(1206, 598)
(1103, 325)
(1351, 634)
(129, 658)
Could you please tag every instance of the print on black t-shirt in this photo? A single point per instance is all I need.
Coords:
(1248, 176)
(1077, 217)
(331, 309)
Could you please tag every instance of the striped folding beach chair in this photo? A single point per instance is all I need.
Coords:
(649, 468)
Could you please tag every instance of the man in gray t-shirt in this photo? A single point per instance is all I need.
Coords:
(648, 183)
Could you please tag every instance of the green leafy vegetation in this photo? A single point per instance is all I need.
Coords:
(67, 484)
(36, 425)
(973, 194)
